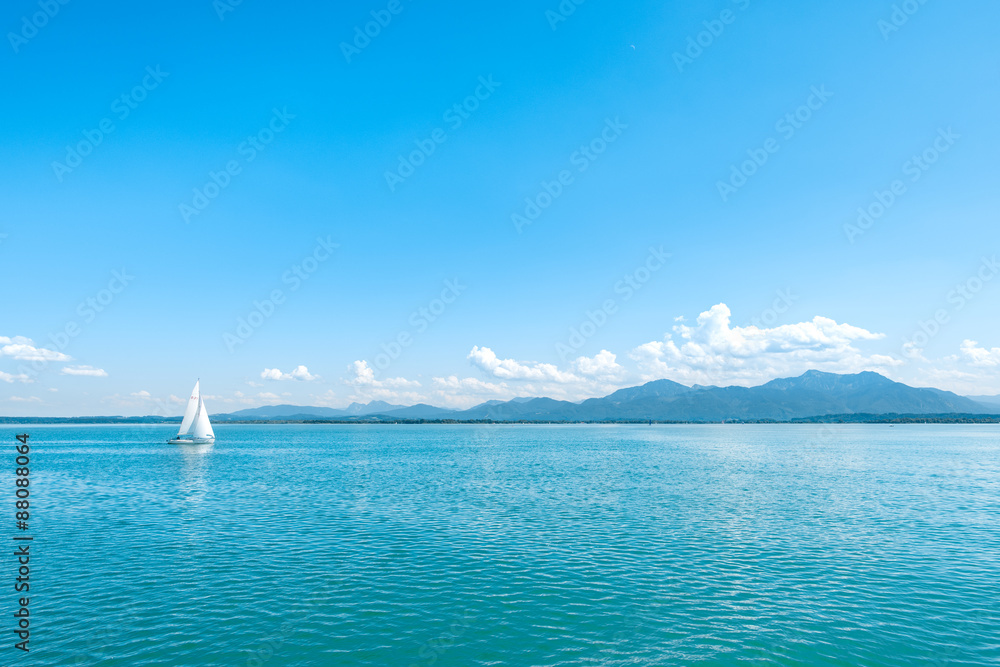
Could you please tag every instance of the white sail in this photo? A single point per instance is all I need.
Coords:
(189, 412)
(202, 428)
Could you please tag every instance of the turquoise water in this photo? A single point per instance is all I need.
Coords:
(513, 545)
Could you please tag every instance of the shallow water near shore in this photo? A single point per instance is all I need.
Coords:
(513, 545)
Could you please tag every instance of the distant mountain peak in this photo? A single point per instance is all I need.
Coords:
(654, 388)
(371, 408)
(812, 394)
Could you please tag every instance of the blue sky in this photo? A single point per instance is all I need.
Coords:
(771, 272)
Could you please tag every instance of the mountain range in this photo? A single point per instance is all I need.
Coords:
(812, 394)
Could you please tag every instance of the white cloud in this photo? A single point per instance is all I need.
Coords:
(588, 377)
(453, 383)
(463, 393)
(707, 351)
(714, 352)
(24, 399)
(979, 356)
(261, 398)
(366, 387)
(9, 378)
(143, 402)
(602, 365)
(448, 392)
(509, 369)
(88, 371)
(299, 373)
(302, 373)
(913, 352)
(23, 349)
(971, 372)
(330, 399)
(364, 376)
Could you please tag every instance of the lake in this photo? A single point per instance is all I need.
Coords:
(512, 545)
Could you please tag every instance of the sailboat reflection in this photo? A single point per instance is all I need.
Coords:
(195, 462)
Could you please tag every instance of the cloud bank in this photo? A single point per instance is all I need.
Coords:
(298, 373)
(709, 351)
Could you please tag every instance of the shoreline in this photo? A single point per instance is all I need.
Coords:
(375, 421)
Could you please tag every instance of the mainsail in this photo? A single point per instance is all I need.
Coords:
(202, 427)
(191, 410)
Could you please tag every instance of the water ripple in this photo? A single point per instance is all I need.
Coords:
(508, 545)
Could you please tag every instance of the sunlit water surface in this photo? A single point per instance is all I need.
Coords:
(513, 545)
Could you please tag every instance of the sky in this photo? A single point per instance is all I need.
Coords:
(322, 203)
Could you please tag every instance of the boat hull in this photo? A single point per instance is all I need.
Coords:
(191, 441)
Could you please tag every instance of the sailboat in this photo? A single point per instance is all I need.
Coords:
(195, 429)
